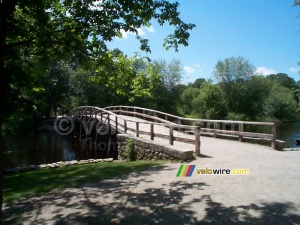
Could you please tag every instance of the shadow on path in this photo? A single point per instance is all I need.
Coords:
(121, 201)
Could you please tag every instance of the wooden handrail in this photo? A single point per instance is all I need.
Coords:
(240, 133)
(106, 115)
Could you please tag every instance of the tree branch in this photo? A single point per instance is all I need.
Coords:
(31, 40)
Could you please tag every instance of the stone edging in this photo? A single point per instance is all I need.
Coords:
(291, 149)
(56, 165)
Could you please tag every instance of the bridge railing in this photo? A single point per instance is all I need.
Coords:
(213, 128)
(121, 124)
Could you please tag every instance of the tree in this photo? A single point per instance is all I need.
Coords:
(283, 79)
(166, 93)
(210, 103)
(252, 97)
(187, 97)
(231, 73)
(198, 82)
(281, 103)
(74, 30)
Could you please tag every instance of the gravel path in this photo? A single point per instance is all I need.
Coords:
(269, 195)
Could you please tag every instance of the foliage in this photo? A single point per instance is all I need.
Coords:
(252, 97)
(32, 33)
(236, 116)
(198, 82)
(283, 79)
(243, 97)
(187, 97)
(233, 69)
(281, 103)
(129, 149)
(210, 103)
(231, 73)
(166, 91)
(19, 185)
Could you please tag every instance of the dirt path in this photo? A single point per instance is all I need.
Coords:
(269, 195)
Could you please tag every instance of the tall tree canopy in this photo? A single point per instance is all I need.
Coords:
(231, 74)
(233, 69)
(33, 31)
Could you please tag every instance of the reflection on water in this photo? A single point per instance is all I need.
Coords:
(41, 148)
(33, 149)
(289, 132)
(69, 155)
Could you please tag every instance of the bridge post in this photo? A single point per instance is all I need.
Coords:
(144, 114)
(241, 130)
(134, 111)
(152, 131)
(197, 141)
(215, 129)
(116, 123)
(171, 135)
(273, 141)
(179, 123)
(137, 129)
(125, 126)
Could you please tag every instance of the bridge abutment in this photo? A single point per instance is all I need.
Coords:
(148, 150)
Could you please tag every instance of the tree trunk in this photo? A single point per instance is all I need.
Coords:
(6, 9)
(1, 171)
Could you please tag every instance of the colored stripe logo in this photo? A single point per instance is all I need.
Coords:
(185, 170)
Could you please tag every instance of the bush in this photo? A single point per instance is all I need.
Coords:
(129, 149)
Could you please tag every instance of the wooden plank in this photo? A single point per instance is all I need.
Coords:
(185, 140)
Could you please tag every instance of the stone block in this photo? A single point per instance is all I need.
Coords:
(156, 147)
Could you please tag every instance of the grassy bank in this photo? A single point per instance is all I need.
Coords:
(42, 181)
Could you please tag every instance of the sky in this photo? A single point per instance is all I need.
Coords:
(266, 32)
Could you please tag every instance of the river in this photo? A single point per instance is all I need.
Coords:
(289, 132)
(31, 148)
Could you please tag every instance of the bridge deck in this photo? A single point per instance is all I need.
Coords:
(160, 130)
(209, 145)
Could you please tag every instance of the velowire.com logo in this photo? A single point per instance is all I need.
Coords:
(187, 171)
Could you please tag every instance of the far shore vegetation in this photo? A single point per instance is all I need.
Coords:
(235, 91)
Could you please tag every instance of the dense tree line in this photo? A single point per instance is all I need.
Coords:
(240, 94)
(235, 94)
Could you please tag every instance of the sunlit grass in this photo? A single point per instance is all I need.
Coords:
(42, 181)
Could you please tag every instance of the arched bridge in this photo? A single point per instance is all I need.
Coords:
(167, 129)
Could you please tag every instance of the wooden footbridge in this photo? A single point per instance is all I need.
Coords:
(158, 126)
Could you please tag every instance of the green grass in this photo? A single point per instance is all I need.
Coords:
(42, 181)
